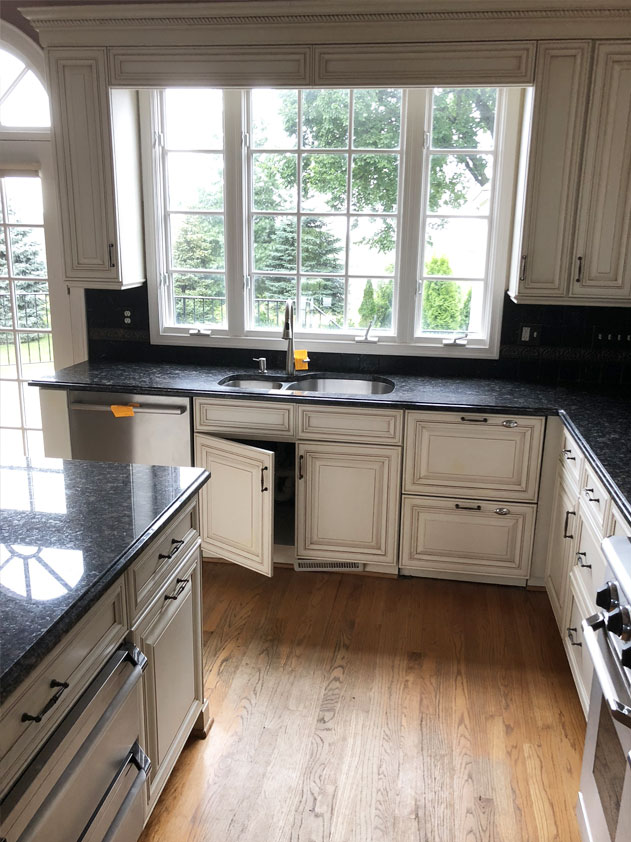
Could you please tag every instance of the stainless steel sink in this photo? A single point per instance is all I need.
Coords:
(254, 384)
(332, 384)
(344, 385)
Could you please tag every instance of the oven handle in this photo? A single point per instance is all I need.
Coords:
(619, 711)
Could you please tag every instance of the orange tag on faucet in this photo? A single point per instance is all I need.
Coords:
(122, 411)
(301, 360)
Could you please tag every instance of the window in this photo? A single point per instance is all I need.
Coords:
(380, 208)
(23, 99)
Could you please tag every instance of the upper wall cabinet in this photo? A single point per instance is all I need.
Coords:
(602, 256)
(574, 245)
(98, 161)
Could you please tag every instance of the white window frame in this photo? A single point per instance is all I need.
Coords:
(416, 116)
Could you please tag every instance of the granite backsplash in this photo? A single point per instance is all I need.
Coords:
(573, 345)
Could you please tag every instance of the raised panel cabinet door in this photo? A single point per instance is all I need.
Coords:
(81, 125)
(170, 636)
(563, 531)
(560, 103)
(348, 502)
(449, 536)
(237, 503)
(488, 456)
(602, 259)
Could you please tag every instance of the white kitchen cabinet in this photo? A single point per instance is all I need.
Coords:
(563, 527)
(543, 247)
(473, 455)
(237, 503)
(577, 653)
(573, 241)
(348, 502)
(169, 633)
(467, 539)
(602, 254)
(98, 167)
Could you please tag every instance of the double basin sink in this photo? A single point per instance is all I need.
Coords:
(327, 383)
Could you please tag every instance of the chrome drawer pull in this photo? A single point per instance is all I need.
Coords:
(580, 562)
(568, 458)
(510, 424)
(63, 685)
(469, 508)
(502, 510)
(570, 633)
(175, 546)
(589, 491)
(182, 584)
(474, 420)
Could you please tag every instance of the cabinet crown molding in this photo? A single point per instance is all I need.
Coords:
(323, 17)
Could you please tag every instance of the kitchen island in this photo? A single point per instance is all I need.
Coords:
(95, 557)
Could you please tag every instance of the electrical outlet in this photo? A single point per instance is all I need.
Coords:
(530, 335)
(126, 317)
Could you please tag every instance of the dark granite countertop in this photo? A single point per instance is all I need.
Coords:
(68, 529)
(599, 419)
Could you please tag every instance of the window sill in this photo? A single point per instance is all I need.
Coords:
(475, 349)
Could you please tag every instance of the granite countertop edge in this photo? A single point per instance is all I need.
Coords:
(19, 670)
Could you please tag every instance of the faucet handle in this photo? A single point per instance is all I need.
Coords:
(262, 361)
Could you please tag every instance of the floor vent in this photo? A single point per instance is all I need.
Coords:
(328, 565)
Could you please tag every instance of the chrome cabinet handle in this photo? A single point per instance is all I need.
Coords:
(510, 424)
(474, 420)
(565, 524)
(469, 508)
(619, 711)
(176, 544)
(110, 254)
(522, 267)
(579, 274)
(263, 486)
(589, 491)
(502, 510)
(567, 457)
(579, 560)
(62, 685)
(570, 633)
(182, 584)
(300, 463)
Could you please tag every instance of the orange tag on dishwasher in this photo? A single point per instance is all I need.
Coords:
(121, 411)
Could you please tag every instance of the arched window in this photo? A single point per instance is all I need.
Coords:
(23, 98)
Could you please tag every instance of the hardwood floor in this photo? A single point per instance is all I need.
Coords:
(359, 709)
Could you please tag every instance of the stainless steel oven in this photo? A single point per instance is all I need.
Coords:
(604, 804)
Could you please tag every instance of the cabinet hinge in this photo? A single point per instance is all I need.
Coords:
(425, 140)
(419, 287)
(245, 140)
(247, 280)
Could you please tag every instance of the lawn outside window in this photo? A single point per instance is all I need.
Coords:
(382, 207)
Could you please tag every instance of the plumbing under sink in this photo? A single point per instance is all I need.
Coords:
(331, 384)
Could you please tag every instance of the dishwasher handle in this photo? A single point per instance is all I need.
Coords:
(148, 409)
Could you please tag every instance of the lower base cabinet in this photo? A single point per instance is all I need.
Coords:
(169, 633)
(467, 539)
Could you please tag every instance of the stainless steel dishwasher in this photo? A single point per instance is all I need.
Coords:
(157, 433)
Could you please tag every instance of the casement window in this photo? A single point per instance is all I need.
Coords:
(386, 209)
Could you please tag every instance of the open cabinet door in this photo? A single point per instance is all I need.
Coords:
(237, 503)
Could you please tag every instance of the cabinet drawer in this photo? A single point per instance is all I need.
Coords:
(571, 457)
(381, 426)
(157, 562)
(576, 650)
(595, 501)
(483, 456)
(261, 419)
(72, 662)
(588, 561)
(467, 536)
(618, 525)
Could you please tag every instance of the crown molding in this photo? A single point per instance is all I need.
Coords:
(327, 21)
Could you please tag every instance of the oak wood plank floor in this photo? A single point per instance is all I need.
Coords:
(360, 709)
